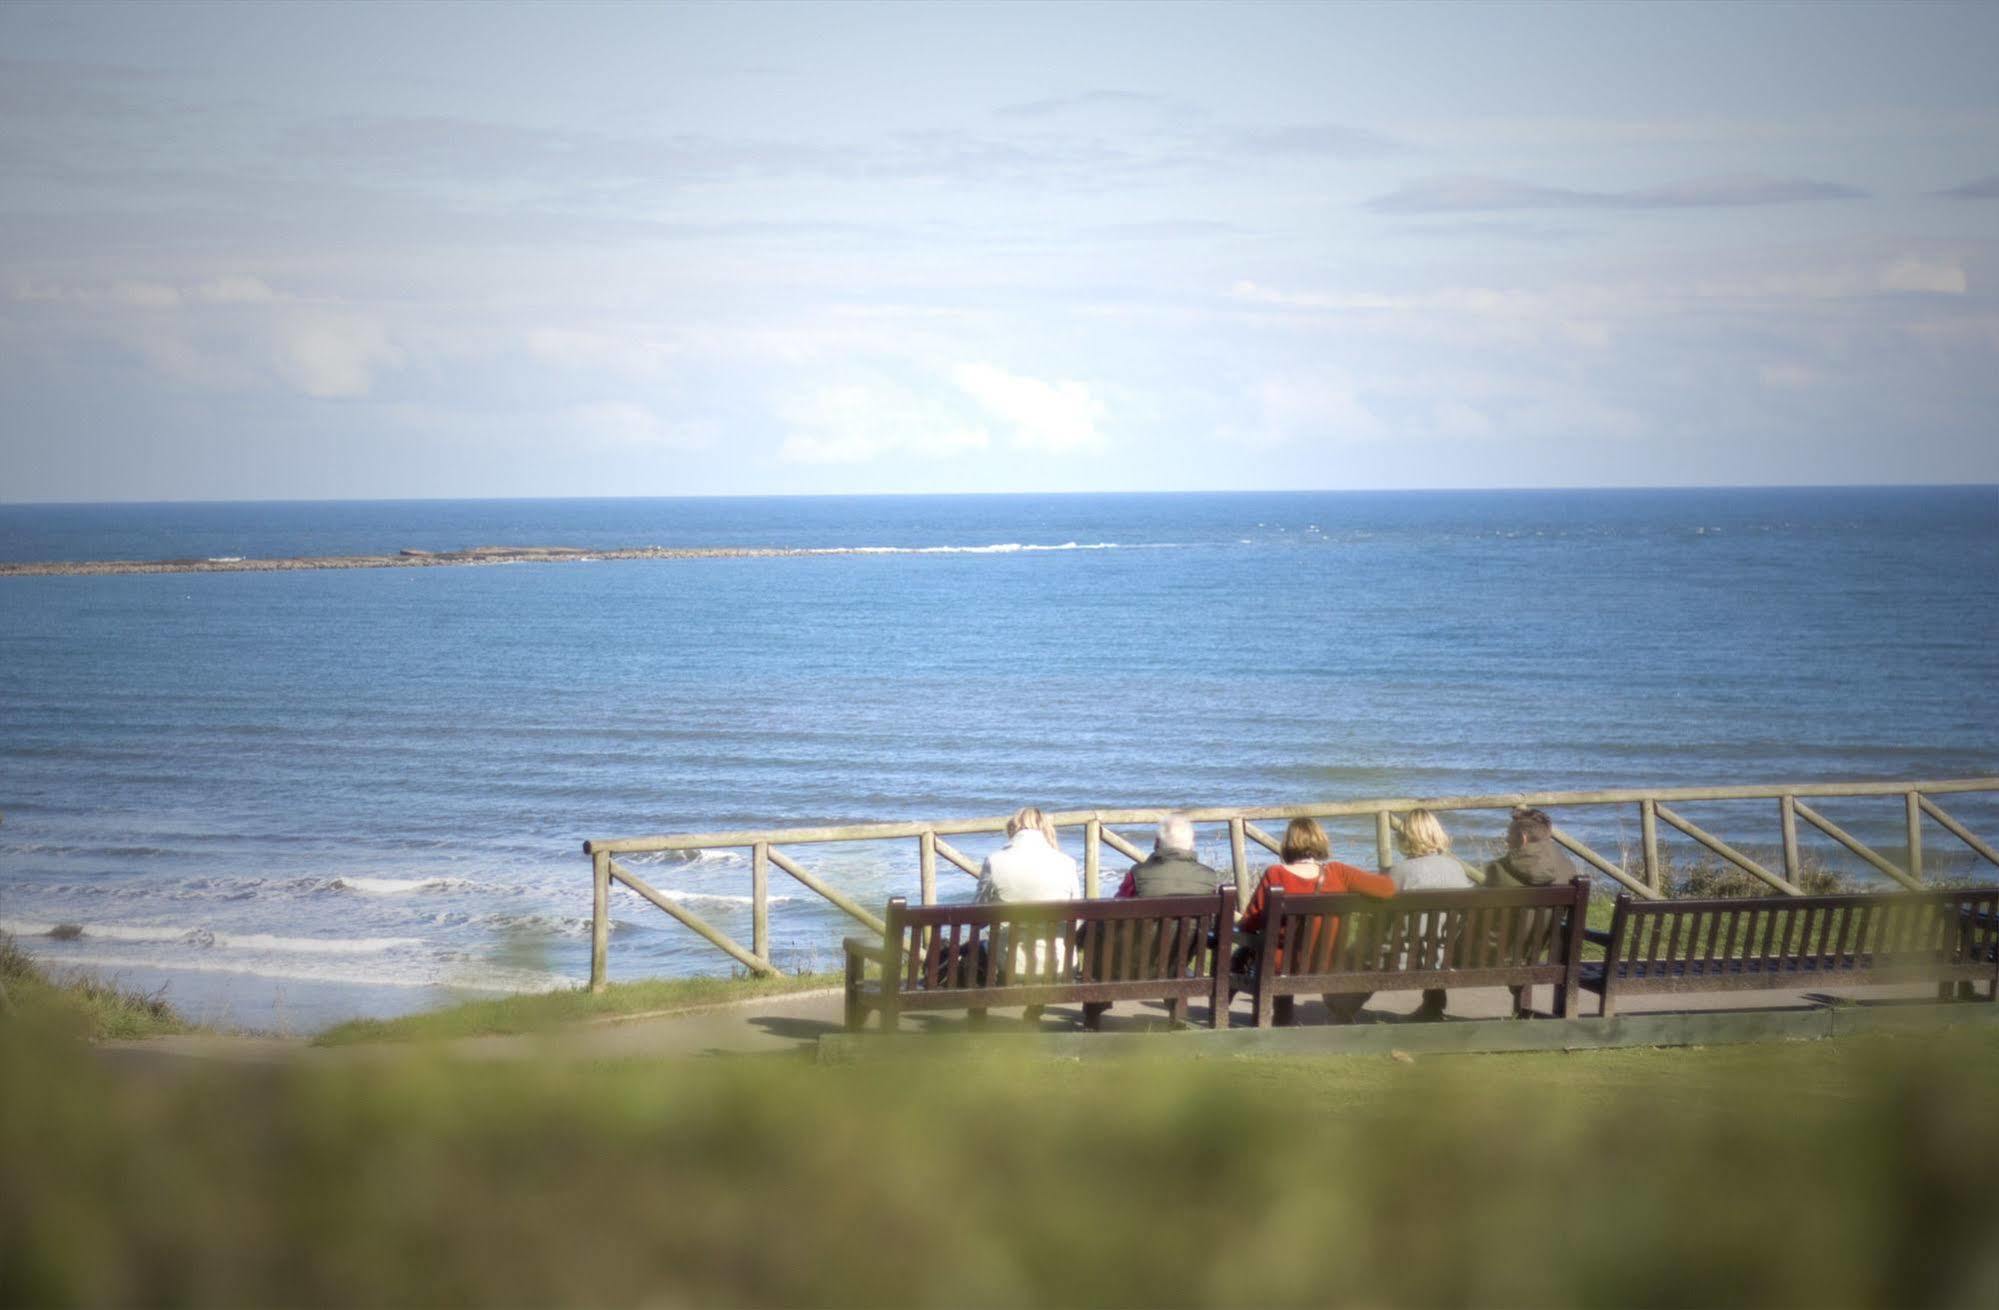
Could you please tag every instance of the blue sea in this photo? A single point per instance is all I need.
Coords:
(291, 798)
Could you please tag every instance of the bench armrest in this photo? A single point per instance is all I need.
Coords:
(864, 948)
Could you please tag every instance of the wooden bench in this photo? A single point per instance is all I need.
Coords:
(972, 957)
(1950, 938)
(1473, 938)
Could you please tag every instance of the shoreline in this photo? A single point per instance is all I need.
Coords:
(407, 559)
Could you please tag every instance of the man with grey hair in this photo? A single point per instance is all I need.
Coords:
(1172, 869)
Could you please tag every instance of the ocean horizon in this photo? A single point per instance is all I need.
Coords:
(288, 799)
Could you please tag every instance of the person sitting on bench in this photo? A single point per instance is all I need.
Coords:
(1427, 865)
(1172, 869)
(1031, 867)
(1308, 869)
(1533, 859)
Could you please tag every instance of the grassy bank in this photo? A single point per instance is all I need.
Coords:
(80, 1005)
(1830, 1173)
(542, 1011)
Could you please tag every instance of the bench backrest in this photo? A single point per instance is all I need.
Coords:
(1869, 931)
(1044, 943)
(1425, 933)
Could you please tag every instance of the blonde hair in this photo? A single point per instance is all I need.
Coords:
(1422, 835)
(1304, 839)
(1029, 816)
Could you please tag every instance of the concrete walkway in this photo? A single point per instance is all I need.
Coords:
(793, 1024)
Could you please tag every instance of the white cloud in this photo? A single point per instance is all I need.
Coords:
(122, 295)
(1788, 377)
(1321, 409)
(1054, 417)
(621, 423)
(333, 356)
(1454, 418)
(1913, 273)
(633, 354)
(235, 289)
(855, 423)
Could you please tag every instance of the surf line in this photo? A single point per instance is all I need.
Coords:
(419, 559)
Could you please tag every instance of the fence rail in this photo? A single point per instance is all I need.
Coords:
(1646, 879)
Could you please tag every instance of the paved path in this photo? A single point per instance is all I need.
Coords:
(793, 1024)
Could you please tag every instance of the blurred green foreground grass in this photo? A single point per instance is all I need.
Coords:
(1856, 1172)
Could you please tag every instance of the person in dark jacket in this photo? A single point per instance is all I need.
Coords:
(1172, 869)
(1533, 858)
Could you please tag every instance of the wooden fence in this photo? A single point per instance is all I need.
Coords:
(1646, 879)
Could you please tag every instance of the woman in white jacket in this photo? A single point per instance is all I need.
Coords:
(1031, 867)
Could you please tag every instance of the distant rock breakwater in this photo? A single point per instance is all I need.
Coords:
(407, 559)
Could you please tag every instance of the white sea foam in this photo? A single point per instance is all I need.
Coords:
(400, 886)
(719, 898)
(257, 941)
(697, 859)
(468, 975)
(206, 938)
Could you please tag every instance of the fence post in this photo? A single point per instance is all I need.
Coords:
(1093, 832)
(600, 917)
(926, 866)
(1787, 813)
(1648, 824)
(760, 901)
(1240, 859)
(1384, 840)
(1915, 803)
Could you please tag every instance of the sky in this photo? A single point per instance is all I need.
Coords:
(382, 251)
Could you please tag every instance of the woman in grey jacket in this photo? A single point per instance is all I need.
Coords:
(1427, 865)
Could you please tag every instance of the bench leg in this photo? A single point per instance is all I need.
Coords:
(1522, 1002)
(975, 1018)
(856, 1015)
(1260, 1006)
(891, 1018)
(1032, 1013)
(1176, 1011)
(1944, 991)
(1281, 1010)
(1344, 1007)
(1608, 1010)
(1093, 1014)
(1561, 1000)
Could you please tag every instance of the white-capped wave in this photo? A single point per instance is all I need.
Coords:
(710, 859)
(399, 886)
(467, 975)
(257, 941)
(718, 898)
(206, 938)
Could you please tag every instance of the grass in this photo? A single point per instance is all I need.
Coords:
(531, 1013)
(1852, 1173)
(81, 1004)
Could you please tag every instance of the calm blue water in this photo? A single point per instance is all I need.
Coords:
(294, 797)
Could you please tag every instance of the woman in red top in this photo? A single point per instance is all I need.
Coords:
(1308, 869)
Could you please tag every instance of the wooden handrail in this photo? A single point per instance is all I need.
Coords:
(1652, 806)
(1325, 810)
